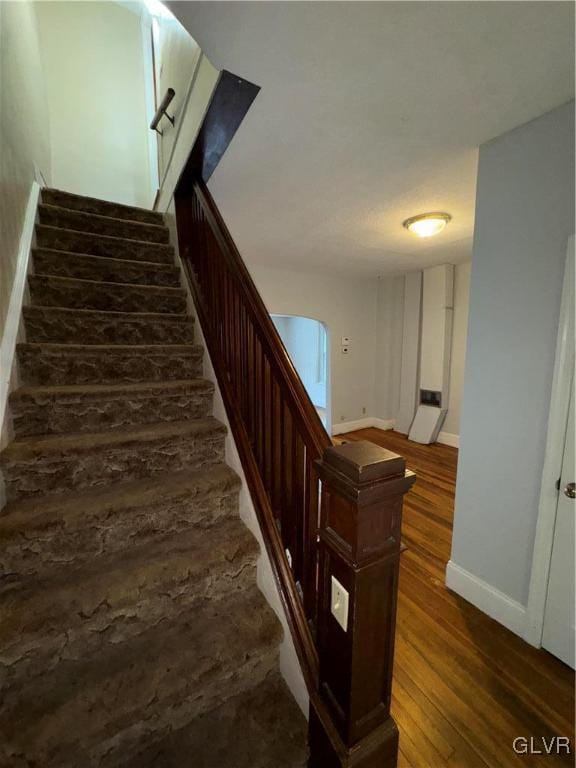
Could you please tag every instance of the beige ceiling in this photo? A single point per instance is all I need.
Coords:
(371, 112)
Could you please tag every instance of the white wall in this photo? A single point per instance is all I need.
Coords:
(369, 377)
(524, 216)
(451, 426)
(187, 127)
(389, 324)
(347, 307)
(177, 56)
(94, 67)
(24, 132)
(24, 165)
(409, 352)
(389, 346)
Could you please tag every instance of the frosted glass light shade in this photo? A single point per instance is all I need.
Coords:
(427, 224)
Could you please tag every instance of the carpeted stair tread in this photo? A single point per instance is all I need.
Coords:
(95, 391)
(84, 266)
(91, 326)
(33, 466)
(130, 611)
(168, 317)
(90, 709)
(113, 500)
(75, 293)
(60, 239)
(83, 221)
(94, 407)
(101, 207)
(79, 442)
(39, 535)
(78, 611)
(260, 728)
(54, 364)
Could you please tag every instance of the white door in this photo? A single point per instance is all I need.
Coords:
(559, 635)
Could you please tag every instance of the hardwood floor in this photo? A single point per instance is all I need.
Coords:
(464, 686)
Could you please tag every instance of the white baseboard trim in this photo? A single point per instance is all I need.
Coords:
(368, 421)
(488, 599)
(448, 438)
(384, 423)
(10, 335)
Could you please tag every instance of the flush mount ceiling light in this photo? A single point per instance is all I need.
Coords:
(427, 224)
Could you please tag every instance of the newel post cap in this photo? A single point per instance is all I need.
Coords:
(364, 472)
(362, 462)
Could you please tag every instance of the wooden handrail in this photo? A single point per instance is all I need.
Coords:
(161, 111)
(310, 422)
(325, 511)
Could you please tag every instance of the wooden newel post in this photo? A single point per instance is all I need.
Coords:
(363, 487)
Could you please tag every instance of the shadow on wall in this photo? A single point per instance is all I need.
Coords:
(306, 341)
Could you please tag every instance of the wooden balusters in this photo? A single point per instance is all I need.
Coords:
(298, 458)
(310, 524)
(286, 454)
(267, 436)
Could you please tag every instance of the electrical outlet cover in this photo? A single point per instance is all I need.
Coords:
(339, 603)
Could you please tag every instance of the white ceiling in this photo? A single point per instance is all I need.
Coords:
(371, 112)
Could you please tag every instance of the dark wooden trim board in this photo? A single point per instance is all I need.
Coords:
(232, 98)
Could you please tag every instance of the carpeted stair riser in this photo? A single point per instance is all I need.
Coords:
(100, 207)
(41, 537)
(70, 326)
(119, 598)
(101, 225)
(102, 245)
(104, 297)
(50, 411)
(151, 684)
(84, 267)
(63, 463)
(61, 364)
(272, 726)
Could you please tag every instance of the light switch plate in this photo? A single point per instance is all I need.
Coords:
(339, 604)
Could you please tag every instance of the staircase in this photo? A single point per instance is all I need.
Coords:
(132, 632)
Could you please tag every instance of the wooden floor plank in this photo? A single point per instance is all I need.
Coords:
(463, 752)
(464, 686)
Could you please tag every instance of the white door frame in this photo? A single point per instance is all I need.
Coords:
(327, 362)
(558, 415)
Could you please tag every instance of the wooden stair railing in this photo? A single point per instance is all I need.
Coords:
(325, 511)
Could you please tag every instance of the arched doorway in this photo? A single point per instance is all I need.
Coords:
(306, 341)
